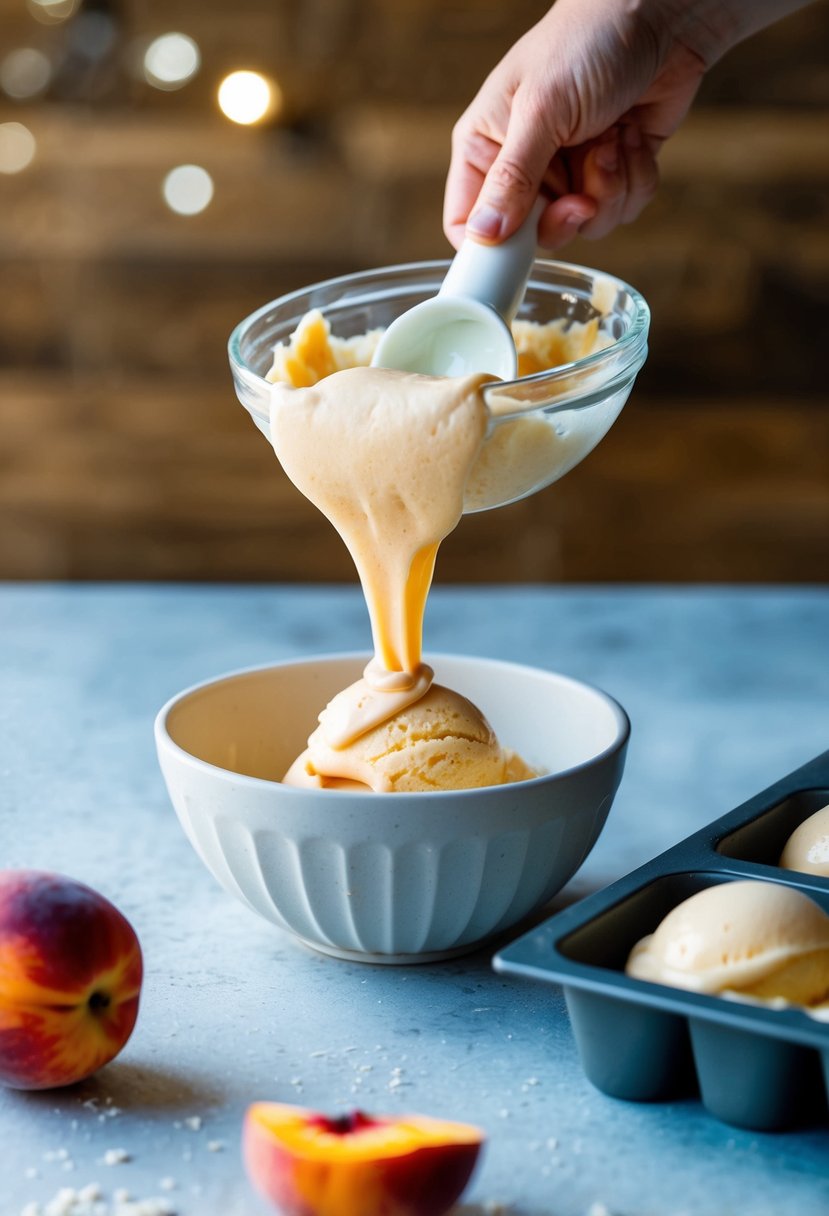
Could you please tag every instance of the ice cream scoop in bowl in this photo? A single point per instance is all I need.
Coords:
(401, 877)
(465, 328)
(541, 424)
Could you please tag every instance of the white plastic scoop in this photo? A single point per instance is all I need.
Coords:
(465, 327)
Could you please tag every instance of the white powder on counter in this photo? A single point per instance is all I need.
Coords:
(90, 1201)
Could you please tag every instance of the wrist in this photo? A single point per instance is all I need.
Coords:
(709, 28)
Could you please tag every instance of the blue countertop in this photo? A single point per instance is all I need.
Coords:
(727, 690)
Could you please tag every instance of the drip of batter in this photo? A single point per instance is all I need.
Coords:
(385, 456)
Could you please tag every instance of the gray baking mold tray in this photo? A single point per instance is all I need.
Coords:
(753, 1066)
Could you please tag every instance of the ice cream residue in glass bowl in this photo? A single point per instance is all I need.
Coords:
(539, 426)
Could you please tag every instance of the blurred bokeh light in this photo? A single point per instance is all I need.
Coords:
(17, 147)
(170, 61)
(249, 97)
(52, 12)
(25, 73)
(188, 189)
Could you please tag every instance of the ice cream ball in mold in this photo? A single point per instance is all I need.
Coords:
(807, 849)
(758, 939)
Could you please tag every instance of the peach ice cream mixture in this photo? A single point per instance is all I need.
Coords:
(390, 458)
(748, 939)
(807, 849)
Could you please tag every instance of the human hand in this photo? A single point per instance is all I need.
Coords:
(578, 108)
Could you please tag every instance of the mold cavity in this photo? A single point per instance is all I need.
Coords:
(763, 838)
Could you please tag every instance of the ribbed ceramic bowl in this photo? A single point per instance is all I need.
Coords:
(389, 877)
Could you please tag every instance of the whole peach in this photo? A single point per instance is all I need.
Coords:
(70, 978)
(357, 1164)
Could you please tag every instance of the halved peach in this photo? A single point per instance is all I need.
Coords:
(357, 1164)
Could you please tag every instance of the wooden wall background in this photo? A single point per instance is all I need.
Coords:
(124, 454)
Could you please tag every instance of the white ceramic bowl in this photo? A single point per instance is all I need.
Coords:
(389, 877)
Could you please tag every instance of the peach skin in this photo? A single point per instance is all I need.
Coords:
(357, 1165)
(70, 978)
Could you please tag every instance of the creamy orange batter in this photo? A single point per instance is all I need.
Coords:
(387, 457)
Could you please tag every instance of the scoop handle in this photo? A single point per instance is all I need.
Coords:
(496, 274)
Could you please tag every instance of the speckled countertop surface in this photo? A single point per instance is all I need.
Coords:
(727, 689)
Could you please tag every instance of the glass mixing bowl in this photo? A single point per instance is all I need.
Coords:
(540, 426)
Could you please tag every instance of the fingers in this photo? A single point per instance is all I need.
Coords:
(496, 171)
(513, 180)
(564, 219)
(600, 185)
(472, 155)
(619, 172)
(642, 170)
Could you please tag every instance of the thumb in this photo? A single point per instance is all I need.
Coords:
(512, 183)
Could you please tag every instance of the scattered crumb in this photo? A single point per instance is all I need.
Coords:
(315, 1055)
(56, 1154)
(168, 1184)
(552, 1144)
(215, 1146)
(90, 1201)
(598, 1209)
(116, 1156)
(194, 1123)
(503, 1113)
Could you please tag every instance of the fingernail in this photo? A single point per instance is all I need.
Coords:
(607, 156)
(633, 138)
(573, 220)
(485, 222)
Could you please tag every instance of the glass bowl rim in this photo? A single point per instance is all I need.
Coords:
(630, 345)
